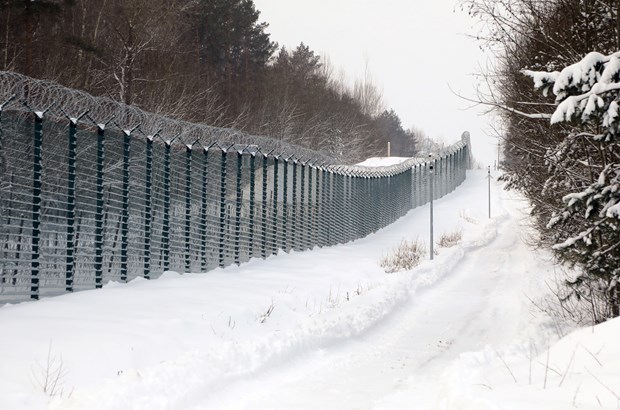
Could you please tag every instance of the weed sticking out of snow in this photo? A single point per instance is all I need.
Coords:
(49, 377)
(450, 239)
(336, 299)
(268, 313)
(333, 300)
(568, 307)
(406, 256)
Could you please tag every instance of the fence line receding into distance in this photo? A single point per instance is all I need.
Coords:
(85, 199)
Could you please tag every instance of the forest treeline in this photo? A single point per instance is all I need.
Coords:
(206, 61)
(569, 170)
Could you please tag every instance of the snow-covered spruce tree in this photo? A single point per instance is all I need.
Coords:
(587, 230)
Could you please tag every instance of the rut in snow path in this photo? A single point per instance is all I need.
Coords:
(479, 302)
(197, 341)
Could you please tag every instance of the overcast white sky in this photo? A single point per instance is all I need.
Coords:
(416, 49)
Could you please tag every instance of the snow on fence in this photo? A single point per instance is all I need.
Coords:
(93, 191)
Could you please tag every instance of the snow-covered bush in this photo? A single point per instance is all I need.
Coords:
(406, 256)
(587, 230)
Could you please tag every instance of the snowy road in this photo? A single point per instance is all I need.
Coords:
(479, 303)
(326, 329)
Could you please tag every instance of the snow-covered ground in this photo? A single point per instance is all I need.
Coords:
(382, 161)
(324, 329)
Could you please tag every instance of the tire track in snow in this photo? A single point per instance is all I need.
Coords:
(459, 313)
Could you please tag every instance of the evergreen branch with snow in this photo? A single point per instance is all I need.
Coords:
(587, 229)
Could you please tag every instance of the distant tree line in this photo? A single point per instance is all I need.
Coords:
(568, 169)
(208, 61)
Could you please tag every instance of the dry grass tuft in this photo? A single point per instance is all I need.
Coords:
(450, 239)
(406, 256)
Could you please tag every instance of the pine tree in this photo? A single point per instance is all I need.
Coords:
(587, 230)
(232, 45)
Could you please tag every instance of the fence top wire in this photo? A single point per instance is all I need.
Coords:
(24, 94)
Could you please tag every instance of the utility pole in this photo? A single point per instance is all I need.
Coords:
(432, 195)
(489, 178)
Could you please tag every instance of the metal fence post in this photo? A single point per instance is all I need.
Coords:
(222, 208)
(442, 163)
(432, 177)
(317, 237)
(148, 206)
(125, 205)
(252, 202)
(99, 211)
(331, 221)
(71, 158)
(36, 205)
(343, 209)
(275, 204)
(438, 168)
(408, 185)
(383, 211)
(188, 205)
(285, 206)
(165, 232)
(421, 190)
(346, 208)
(453, 171)
(466, 161)
(203, 210)
(334, 207)
(364, 194)
(447, 178)
(489, 189)
(355, 219)
(302, 230)
(310, 235)
(294, 206)
(361, 190)
(367, 210)
(450, 166)
(238, 204)
(263, 248)
(351, 207)
(341, 229)
(325, 208)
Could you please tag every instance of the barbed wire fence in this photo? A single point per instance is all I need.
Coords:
(92, 190)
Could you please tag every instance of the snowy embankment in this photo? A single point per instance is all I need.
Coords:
(221, 339)
(582, 371)
(383, 161)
